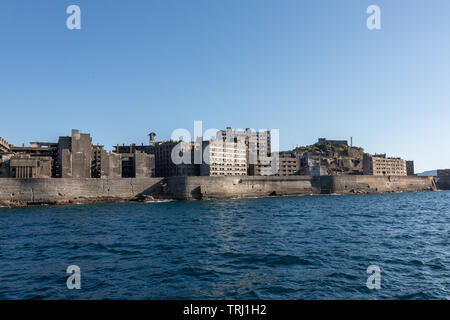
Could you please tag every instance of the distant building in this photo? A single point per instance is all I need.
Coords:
(310, 163)
(161, 152)
(40, 149)
(4, 145)
(288, 164)
(410, 168)
(380, 165)
(330, 157)
(25, 166)
(137, 164)
(165, 166)
(258, 148)
(223, 158)
(4, 164)
(443, 173)
(75, 155)
(105, 164)
(323, 141)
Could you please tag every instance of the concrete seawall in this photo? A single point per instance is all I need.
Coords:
(28, 191)
(36, 191)
(187, 188)
(232, 187)
(375, 184)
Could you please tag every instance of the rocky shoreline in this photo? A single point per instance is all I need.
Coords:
(83, 200)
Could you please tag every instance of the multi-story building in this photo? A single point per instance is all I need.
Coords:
(40, 149)
(75, 155)
(4, 164)
(26, 166)
(258, 148)
(105, 164)
(164, 166)
(71, 157)
(410, 168)
(288, 164)
(310, 163)
(137, 164)
(223, 158)
(380, 165)
(4, 145)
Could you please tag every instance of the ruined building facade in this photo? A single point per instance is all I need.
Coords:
(223, 158)
(288, 164)
(258, 148)
(71, 157)
(380, 165)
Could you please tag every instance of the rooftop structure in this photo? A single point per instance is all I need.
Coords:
(4, 145)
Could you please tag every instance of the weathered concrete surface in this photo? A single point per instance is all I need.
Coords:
(443, 182)
(187, 188)
(36, 191)
(375, 184)
(29, 191)
(233, 187)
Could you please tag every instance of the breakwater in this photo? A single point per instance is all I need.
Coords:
(60, 191)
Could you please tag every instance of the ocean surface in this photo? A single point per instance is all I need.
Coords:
(310, 247)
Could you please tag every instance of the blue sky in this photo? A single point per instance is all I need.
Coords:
(309, 68)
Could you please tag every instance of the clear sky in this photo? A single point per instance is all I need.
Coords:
(309, 68)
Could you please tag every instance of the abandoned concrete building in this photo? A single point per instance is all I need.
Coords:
(4, 145)
(4, 164)
(380, 165)
(410, 168)
(71, 157)
(233, 152)
(26, 166)
(105, 164)
(258, 148)
(224, 158)
(288, 164)
(160, 153)
(324, 141)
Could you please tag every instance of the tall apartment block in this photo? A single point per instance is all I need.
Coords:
(380, 165)
(258, 148)
(410, 168)
(75, 155)
(288, 164)
(224, 158)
